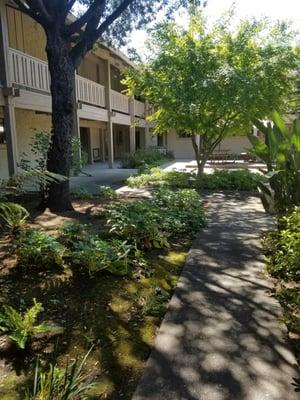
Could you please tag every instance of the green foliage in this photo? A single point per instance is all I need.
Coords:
(212, 81)
(39, 147)
(289, 299)
(218, 180)
(35, 248)
(149, 223)
(156, 304)
(79, 156)
(97, 255)
(281, 153)
(14, 215)
(71, 232)
(82, 194)
(139, 223)
(144, 157)
(283, 248)
(158, 177)
(20, 327)
(107, 192)
(60, 384)
(179, 212)
(242, 180)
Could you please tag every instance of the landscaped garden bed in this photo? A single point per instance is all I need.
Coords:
(99, 277)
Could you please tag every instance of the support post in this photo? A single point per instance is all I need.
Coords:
(110, 133)
(132, 125)
(9, 109)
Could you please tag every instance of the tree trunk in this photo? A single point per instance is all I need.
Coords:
(62, 72)
(199, 158)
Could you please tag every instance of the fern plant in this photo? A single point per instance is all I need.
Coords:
(14, 215)
(20, 327)
(60, 384)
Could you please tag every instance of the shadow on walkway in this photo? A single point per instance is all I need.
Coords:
(221, 338)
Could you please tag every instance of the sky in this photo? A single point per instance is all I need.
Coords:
(273, 9)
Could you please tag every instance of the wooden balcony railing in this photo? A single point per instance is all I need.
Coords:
(139, 109)
(28, 71)
(119, 102)
(90, 92)
(32, 73)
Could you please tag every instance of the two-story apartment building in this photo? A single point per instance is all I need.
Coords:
(109, 123)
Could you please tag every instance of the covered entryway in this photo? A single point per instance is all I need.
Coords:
(140, 139)
(121, 135)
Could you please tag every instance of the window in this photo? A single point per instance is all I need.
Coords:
(2, 132)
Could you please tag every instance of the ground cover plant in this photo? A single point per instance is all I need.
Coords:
(242, 180)
(102, 290)
(282, 249)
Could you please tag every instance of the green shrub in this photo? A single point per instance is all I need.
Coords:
(150, 223)
(20, 327)
(82, 194)
(96, 255)
(243, 180)
(179, 212)
(137, 222)
(60, 384)
(71, 232)
(35, 248)
(107, 192)
(14, 215)
(283, 248)
(145, 157)
(219, 180)
(158, 177)
(289, 299)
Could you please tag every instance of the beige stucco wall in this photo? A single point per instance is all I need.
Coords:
(182, 147)
(26, 122)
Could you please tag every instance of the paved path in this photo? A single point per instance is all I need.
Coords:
(221, 338)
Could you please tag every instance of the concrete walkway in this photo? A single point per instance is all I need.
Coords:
(221, 338)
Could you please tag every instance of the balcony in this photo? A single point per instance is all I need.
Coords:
(33, 74)
(139, 109)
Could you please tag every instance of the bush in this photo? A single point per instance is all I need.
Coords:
(243, 180)
(150, 223)
(144, 157)
(137, 222)
(19, 327)
(107, 192)
(179, 212)
(219, 180)
(36, 248)
(71, 232)
(158, 177)
(14, 216)
(289, 299)
(96, 255)
(283, 248)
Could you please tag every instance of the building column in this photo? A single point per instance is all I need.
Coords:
(9, 109)
(148, 139)
(132, 126)
(110, 132)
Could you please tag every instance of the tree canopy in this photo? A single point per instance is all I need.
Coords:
(212, 81)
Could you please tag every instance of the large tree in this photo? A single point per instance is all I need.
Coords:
(212, 80)
(69, 38)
